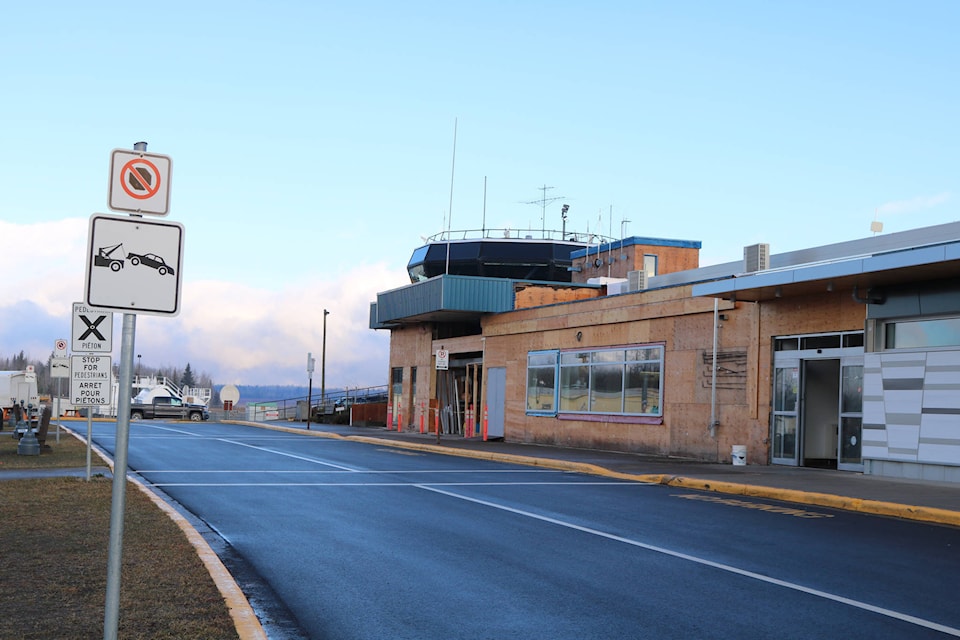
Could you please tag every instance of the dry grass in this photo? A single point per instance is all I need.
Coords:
(67, 453)
(54, 536)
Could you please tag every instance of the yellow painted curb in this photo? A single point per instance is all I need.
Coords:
(860, 505)
(244, 619)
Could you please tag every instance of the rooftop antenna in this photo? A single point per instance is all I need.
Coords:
(483, 221)
(543, 202)
(563, 214)
(610, 242)
(453, 165)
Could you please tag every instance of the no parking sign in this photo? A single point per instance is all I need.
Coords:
(139, 182)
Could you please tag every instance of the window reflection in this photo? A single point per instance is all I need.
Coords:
(604, 381)
(916, 334)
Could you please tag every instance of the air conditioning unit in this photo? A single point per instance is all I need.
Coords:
(756, 257)
(636, 280)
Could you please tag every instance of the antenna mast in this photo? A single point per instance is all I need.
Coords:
(543, 202)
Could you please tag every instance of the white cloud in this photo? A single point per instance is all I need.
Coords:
(913, 205)
(234, 332)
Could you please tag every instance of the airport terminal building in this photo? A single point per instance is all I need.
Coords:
(844, 356)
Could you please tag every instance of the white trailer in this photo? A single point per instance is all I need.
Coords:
(18, 387)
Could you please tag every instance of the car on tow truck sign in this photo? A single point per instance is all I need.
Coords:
(134, 265)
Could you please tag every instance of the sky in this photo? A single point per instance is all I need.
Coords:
(314, 144)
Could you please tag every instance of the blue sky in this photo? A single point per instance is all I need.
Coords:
(312, 146)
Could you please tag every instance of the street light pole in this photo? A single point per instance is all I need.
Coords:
(323, 364)
(310, 387)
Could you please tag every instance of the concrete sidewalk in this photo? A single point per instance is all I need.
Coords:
(936, 502)
(55, 472)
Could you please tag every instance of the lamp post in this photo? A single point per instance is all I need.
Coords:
(310, 362)
(323, 364)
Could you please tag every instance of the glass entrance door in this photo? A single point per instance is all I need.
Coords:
(851, 415)
(786, 391)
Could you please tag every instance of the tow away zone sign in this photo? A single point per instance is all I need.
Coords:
(90, 380)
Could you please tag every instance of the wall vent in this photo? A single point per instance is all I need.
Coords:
(636, 280)
(756, 257)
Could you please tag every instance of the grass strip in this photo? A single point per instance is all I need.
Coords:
(54, 533)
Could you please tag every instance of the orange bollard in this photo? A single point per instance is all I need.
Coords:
(421, 417)
(399, 421)
(484, 423)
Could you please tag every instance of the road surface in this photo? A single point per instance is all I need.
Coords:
(364, 541)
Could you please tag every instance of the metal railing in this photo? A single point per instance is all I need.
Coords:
(521, 234)
(294, 408)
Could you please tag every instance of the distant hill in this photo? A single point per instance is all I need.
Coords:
(250, 393)
(253, 393)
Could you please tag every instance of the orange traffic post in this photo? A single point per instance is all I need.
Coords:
(421, 417)
(484, 423)
(399, 421)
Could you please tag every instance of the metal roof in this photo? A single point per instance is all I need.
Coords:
(445, 298)
(931, 253)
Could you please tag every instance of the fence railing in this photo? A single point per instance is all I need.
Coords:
(295, 408)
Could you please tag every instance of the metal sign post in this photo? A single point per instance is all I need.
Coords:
(144, 187)
(59, 369)
(89, 442)
(119, 496)
(90, 387)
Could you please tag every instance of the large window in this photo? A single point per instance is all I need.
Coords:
(542, 382)
(920, 334)
(624, 381)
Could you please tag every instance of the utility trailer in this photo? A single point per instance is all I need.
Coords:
(18, 388)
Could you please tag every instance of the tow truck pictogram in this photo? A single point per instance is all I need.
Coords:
(104, 258)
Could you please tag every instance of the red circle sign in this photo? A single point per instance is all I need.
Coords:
(133, 174)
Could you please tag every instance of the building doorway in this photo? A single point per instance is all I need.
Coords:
(817, 401)
(458, 388)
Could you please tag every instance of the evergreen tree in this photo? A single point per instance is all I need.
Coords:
(187, 379)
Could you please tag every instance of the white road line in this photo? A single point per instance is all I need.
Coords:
(398, 472)
(389, 484)
(920, 622)
(289, 455)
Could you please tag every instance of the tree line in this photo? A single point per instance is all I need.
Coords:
(46, 385)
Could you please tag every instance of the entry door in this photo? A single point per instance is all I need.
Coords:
(496, 401)
(786, 392)
(819, 411)
(851, 415)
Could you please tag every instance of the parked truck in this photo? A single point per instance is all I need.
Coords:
(170, 408)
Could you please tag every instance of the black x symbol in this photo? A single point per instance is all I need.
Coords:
(92, 327)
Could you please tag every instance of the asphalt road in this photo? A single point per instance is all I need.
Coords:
(362, 541)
